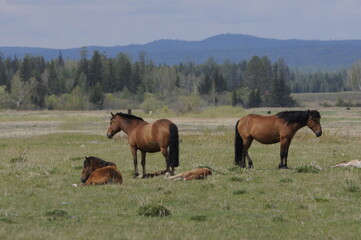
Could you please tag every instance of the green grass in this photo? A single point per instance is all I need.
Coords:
(37, 200)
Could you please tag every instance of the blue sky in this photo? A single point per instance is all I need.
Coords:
(76, 23)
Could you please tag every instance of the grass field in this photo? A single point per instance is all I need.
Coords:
(42, 155)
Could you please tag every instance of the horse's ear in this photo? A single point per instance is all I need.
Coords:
(86, 157)
(112, 114)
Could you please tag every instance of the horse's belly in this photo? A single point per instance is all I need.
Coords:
(151, 148)
(267, 139)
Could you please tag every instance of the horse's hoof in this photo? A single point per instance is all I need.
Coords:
(135, 175)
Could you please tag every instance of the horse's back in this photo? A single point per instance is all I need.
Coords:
(150, 137)
(264, 129)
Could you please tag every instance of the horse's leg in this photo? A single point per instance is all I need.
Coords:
(165, 154)
(285, 154)
(247, 145)
(143, 164)
(250, 163)
(135, 161)
(285, 144)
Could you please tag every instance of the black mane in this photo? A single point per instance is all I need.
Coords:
(99, 162)
(298, 116)
(131, 116)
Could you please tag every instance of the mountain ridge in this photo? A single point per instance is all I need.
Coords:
(234, 47)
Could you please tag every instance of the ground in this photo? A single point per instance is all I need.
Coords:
(42, 154)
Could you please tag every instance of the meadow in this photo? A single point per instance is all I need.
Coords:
(42, 153)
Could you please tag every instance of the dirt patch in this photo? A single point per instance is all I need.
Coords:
(34, 123)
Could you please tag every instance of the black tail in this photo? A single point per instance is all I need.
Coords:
(173, 151)
(238, 148)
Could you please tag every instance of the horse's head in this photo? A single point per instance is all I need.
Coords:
(313, 122)
(113, 126)
(90, 165)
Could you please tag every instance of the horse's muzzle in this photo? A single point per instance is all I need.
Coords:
(109, 135)
(318, 133)
(83, 180)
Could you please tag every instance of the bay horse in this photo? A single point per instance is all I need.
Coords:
(280, 127)
(162, 135)
(98, 171)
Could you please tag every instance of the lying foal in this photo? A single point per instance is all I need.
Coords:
(198, 173)
(353, 163)
(98, 171)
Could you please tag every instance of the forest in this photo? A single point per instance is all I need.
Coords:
(100, 82)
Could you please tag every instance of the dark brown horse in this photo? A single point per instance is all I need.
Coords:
(162, 135)
(98, 171)
(280, 127)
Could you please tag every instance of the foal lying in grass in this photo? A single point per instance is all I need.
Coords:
(198, 173)
(98, 171)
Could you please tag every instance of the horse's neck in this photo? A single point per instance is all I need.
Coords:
(129, 126)
(298, 126)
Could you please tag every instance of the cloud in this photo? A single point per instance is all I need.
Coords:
(73, 23)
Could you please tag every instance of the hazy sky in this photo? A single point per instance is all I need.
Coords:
(76, 23)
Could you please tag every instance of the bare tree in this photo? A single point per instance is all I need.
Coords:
(20, 91)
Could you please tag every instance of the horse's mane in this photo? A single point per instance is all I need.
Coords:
(298, 116)
(131, 116)
(98, 161)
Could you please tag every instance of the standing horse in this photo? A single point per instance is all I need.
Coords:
(280, 127)
(162, 135)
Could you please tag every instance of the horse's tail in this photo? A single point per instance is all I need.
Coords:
(173, 151)
(238, 147)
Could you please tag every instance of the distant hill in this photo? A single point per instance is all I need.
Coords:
(312, 54)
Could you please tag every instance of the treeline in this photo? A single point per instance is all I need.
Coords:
(97, 82)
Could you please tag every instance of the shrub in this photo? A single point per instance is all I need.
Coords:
(56, 214)
(150, 104)
(52, 102)
(153, 210)
(190, 103)
(352, 186)
(286, 180)
(240, 192)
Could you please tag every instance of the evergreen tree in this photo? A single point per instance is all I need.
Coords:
(83, 69)
(60, 60)
(253, 73)
(108, 83)
(220, 83)
(97, 96)
(38, 95)
(123, 72)
(25, 69)
(254, 99)
(136, 76)
(95, 70)
(236, 98)
(281, 93)
(205, 86)
(54, 84)
(3, 77)
(258, 74)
